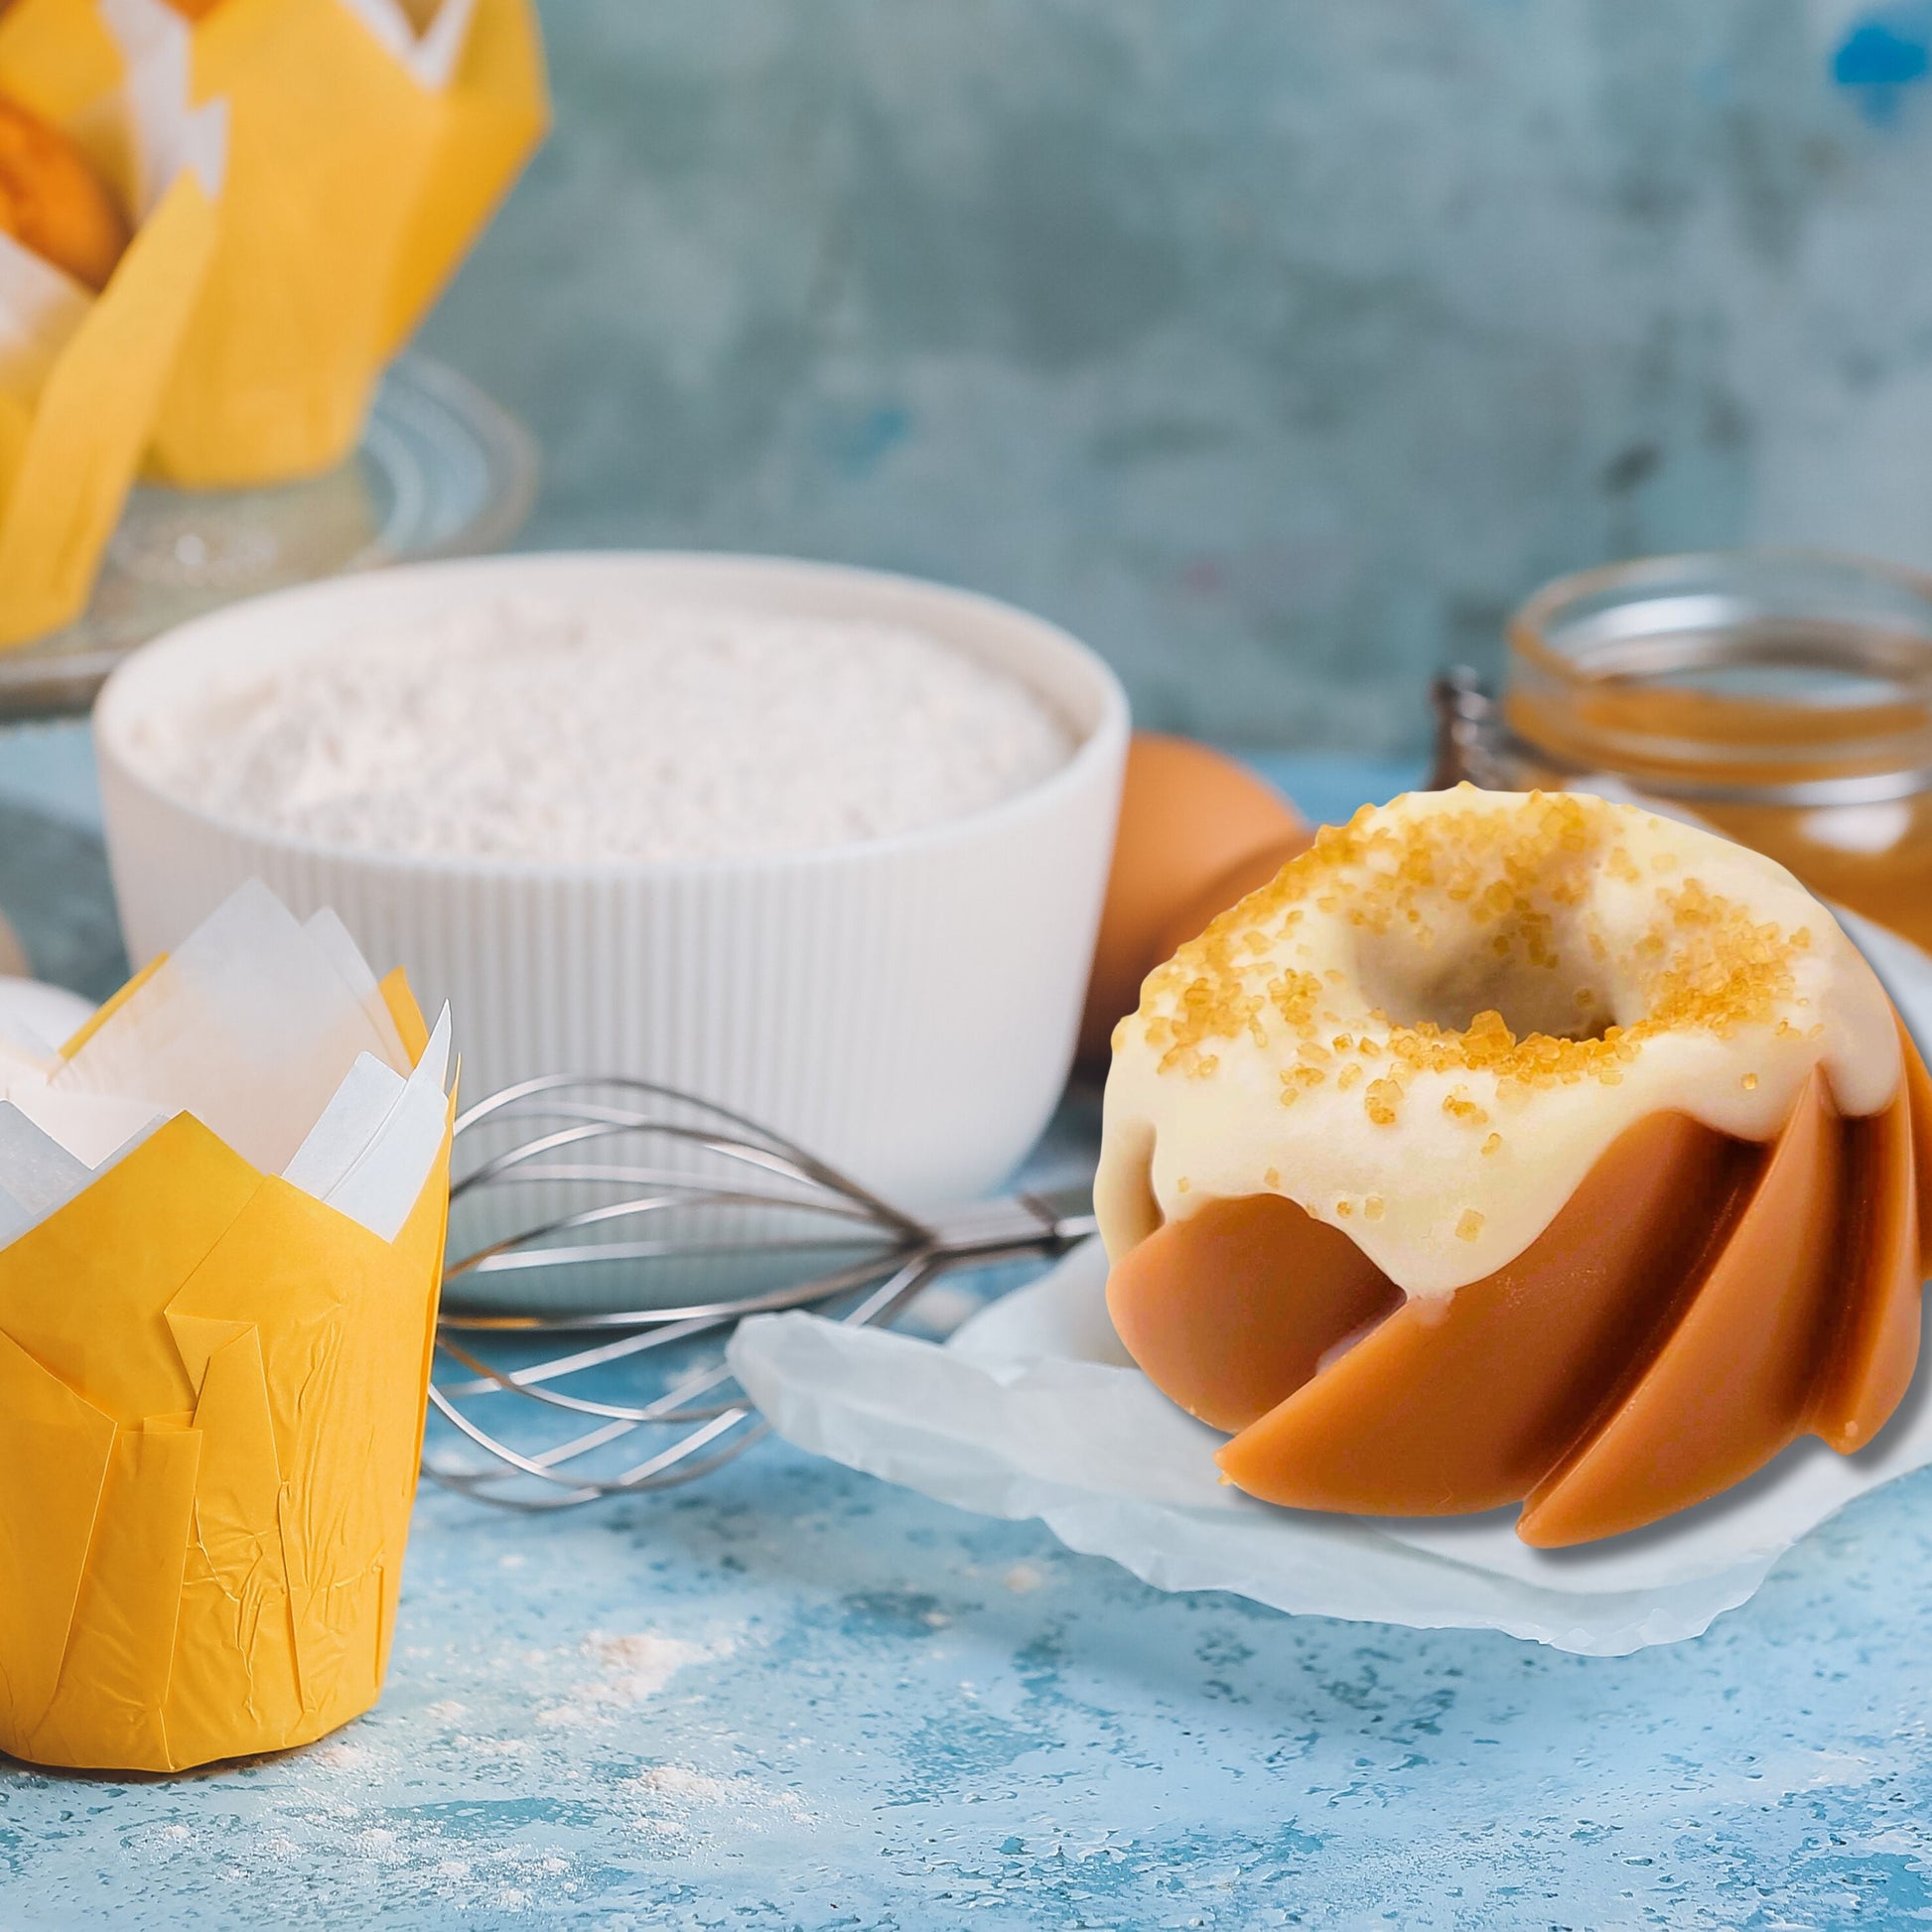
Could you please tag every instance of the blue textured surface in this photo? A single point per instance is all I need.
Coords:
(799, 1698)
(897, 1715)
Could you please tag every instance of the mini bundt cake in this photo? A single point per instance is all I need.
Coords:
(1518, 1148)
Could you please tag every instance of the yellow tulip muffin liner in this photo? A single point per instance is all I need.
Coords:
(213, 1391)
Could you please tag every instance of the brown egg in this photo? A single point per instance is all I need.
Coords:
(52, 201)
(1197, 831)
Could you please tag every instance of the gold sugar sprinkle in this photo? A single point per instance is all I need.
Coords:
(1705, 964)
(1492, 1144)
(1372, 1207)
(1469, 1226)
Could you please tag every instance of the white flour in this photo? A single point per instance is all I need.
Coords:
(632, 1667)
(529, 729)
(503, 1806)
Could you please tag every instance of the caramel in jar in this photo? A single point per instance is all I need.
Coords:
(1782, 697)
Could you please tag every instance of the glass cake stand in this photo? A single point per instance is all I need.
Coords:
(441, 471)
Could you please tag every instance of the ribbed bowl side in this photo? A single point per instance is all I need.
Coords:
(905, 1009)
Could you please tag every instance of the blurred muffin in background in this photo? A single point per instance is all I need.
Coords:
(53, 203)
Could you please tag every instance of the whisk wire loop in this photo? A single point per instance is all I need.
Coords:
(743, 1214)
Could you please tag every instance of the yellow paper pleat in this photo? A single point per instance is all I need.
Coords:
(45, 1525)
(108, 1709)
(72, 471)
(340, 1339)
(234, 1649)
(494, 114)
(421, 1248)
(423, 1240)
(329, 139)
(349, 194)
(411, 1028)
(87, 1291)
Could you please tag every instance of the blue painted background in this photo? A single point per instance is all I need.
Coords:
(1277, 347)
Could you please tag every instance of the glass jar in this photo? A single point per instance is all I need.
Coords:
(1783, 697)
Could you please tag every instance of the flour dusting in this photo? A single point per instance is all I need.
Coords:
(678, 1801)
(631, 1668)
(640, 1665)
(680, 1782)
(525, 1816)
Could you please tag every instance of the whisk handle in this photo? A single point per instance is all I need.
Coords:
(1068, 1210)
(1047, 1223)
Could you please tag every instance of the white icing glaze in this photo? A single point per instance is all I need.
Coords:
(1723, 984)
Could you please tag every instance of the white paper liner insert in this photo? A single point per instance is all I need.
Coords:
(41, 307)
(273, 1034)
(35, 1019)
(427, 40)
(170, 132)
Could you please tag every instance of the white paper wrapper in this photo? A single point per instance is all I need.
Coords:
(1033, 1409)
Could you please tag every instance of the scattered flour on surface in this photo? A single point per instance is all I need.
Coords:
(640, 1665)
(424, 1810)
(681, 1782)
(584, 732)
(631, 1668)
(677, 1800)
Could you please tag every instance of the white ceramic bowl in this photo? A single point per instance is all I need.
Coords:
(906, 1007)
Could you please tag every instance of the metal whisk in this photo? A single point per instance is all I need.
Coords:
(644, 1223)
